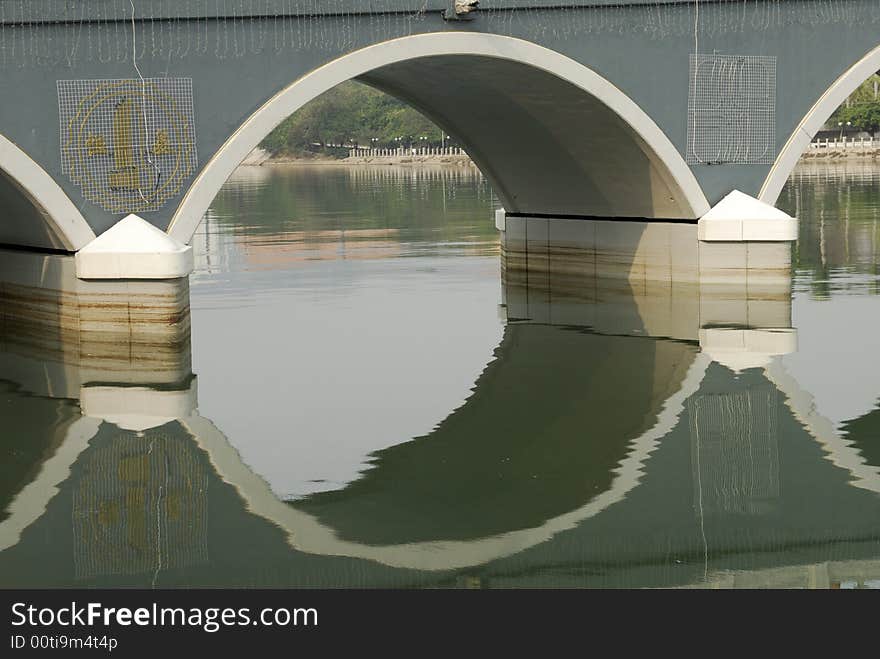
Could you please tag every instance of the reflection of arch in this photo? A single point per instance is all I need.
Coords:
(31, 502)
(651, 406)
(822, 109)
(307, 534)
(643, 175)
(54, 221)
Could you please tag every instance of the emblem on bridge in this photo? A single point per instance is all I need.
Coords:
(731, 110)
(129, 144)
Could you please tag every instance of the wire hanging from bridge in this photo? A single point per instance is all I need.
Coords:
(143, 104)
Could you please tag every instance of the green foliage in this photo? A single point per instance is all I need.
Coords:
(862, 109)
(864, 116)
(351, 113)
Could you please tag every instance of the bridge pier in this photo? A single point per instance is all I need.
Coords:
(739, 242)
(121, 331)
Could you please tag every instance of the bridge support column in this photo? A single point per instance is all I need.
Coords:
(122, 331)
(745, 240)
(741, 241)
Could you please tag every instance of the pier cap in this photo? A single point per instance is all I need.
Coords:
(134, 249)
(741, 218)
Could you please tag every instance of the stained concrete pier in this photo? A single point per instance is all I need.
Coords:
(131, 331)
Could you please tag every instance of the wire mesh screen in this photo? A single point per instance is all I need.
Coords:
(731, 109)
(128, 144)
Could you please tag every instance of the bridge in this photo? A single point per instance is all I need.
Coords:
(614, 109)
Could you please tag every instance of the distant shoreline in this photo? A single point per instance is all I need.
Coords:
(447, 161)
(260, 157)
(836, 154)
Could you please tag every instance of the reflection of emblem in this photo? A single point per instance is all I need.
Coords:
(140, 504)
(129, 145)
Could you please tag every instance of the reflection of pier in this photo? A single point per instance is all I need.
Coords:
(706, 472)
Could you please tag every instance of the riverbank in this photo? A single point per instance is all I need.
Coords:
(450, 161)
(827, 155)
(844, 149)
(260, 157)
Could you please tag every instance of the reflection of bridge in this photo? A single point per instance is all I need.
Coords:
(625, 109)
(700, 471)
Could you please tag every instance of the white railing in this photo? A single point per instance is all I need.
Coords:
(847, 143)
(403, 152)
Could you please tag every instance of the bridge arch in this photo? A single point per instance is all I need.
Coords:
(593, 151)
(38, 212)
(818, 114)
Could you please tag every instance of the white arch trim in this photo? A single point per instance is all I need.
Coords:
(306, 533)
(60, 212)
(823, 108)
(249, 135)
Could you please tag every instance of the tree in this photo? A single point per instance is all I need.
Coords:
(351, 111)
(862, 108)
(863, 116)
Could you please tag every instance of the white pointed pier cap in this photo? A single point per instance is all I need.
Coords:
(134, 249)
(740, 218)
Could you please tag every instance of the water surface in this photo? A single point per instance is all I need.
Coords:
(375, 408)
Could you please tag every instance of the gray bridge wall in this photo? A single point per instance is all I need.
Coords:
(240, 53)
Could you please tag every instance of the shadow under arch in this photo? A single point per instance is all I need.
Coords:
(817, 115)
(592, 151)
(36, 211)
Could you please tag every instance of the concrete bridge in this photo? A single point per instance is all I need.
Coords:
(614, 109)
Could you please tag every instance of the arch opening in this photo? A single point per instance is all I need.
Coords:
(35, 210)
(552, 136)
(822, 110)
